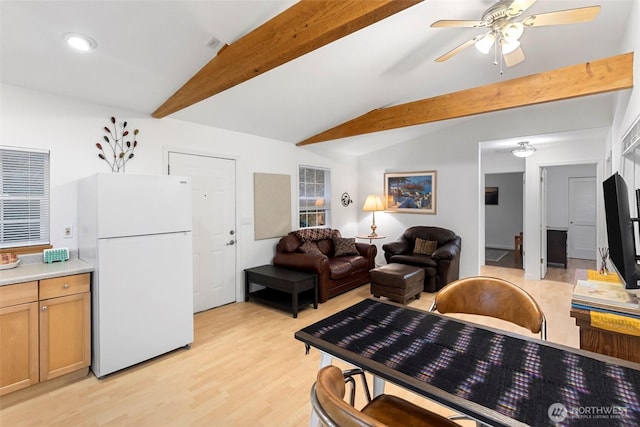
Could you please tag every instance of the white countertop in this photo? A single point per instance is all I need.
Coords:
(28, 272)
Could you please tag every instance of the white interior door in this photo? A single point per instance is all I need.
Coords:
(582, 218)
(214, 251)
(543, 223)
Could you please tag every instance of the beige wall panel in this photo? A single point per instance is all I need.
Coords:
(272, 205)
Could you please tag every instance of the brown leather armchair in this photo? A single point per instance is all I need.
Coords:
(442, 266)
(336, 274)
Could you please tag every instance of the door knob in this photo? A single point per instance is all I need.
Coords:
(231, 242)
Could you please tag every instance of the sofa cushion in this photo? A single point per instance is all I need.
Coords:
(415, 259)
(358, 262)
(345, 246)
(310, 248)
(314, 234)
(424, 247)
(326, 246)
(289, 243)
(339, 268)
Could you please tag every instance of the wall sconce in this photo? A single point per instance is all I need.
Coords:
(373, 204)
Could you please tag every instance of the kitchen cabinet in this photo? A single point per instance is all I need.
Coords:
(65, 325)
(48, 323)
(19, 354)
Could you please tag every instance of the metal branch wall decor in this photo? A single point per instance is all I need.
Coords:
(118, 151)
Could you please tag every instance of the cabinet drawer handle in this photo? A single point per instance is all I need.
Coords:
(44, 308)
(66, 286)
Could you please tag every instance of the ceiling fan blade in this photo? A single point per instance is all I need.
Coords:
(518, 7)
(513, 58)
(456, 50)
(448, 23)
(582, 14)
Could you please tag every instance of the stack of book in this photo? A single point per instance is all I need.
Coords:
(605, 297)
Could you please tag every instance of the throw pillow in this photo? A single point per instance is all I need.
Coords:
(425, 247)
(310, 248)
(314, 234)
(345, 246)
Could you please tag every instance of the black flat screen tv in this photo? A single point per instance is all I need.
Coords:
(621, 231)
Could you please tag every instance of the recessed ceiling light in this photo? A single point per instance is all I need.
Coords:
(80, 42)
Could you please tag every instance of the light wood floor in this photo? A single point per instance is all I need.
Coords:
(243, 369)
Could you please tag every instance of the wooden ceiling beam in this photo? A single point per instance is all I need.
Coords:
(304, 27)
(591, 78)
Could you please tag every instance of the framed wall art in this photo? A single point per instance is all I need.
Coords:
(490, 195)
(410, 192)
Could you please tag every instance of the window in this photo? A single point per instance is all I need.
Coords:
(24, 197)
(314, 196)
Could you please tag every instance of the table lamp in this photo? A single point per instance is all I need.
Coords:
(373, 204)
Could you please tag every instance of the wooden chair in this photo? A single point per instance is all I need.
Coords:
(493, 297)
(327, 399)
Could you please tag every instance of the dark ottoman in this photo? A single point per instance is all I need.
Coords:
(398, 282)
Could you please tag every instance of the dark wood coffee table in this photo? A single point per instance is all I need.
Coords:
(283, 288)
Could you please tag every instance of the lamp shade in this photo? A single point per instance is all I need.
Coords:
(372, 204)
(509, 46)
(484, 44)
(513, 31)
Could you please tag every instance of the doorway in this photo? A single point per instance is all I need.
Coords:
(214, 251)
(504, 213)
(570, 209)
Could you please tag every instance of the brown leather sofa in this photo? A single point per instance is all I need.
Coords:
(336, 274)
(440, 267)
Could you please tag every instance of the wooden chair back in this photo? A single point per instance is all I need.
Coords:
(493, 297)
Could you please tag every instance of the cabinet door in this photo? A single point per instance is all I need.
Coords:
(19, 344)
(65, 335)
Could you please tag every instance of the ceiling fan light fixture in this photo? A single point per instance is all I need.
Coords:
(79, 42)
(513, 31)
(508, 47)
(523, 150)
(484, 44)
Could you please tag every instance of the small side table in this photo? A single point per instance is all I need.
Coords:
(370, 238)
(278, 281)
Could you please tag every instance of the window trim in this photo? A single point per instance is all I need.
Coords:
(326, 210)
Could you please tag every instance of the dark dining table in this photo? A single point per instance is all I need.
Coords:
(493, 376)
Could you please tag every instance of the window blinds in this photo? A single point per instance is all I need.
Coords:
(24, 197)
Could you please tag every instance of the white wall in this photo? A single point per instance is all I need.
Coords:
(627, 108)
(504, 220)
(494, 162)
(558, 191)
(457, 195)
(70, 130)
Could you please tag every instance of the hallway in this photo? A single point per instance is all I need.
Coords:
(553, 273)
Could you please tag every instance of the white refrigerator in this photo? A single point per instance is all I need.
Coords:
(136, 232)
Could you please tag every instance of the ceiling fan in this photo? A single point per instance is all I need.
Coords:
(504, 31)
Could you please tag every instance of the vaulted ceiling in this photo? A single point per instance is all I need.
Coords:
(147, 51)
